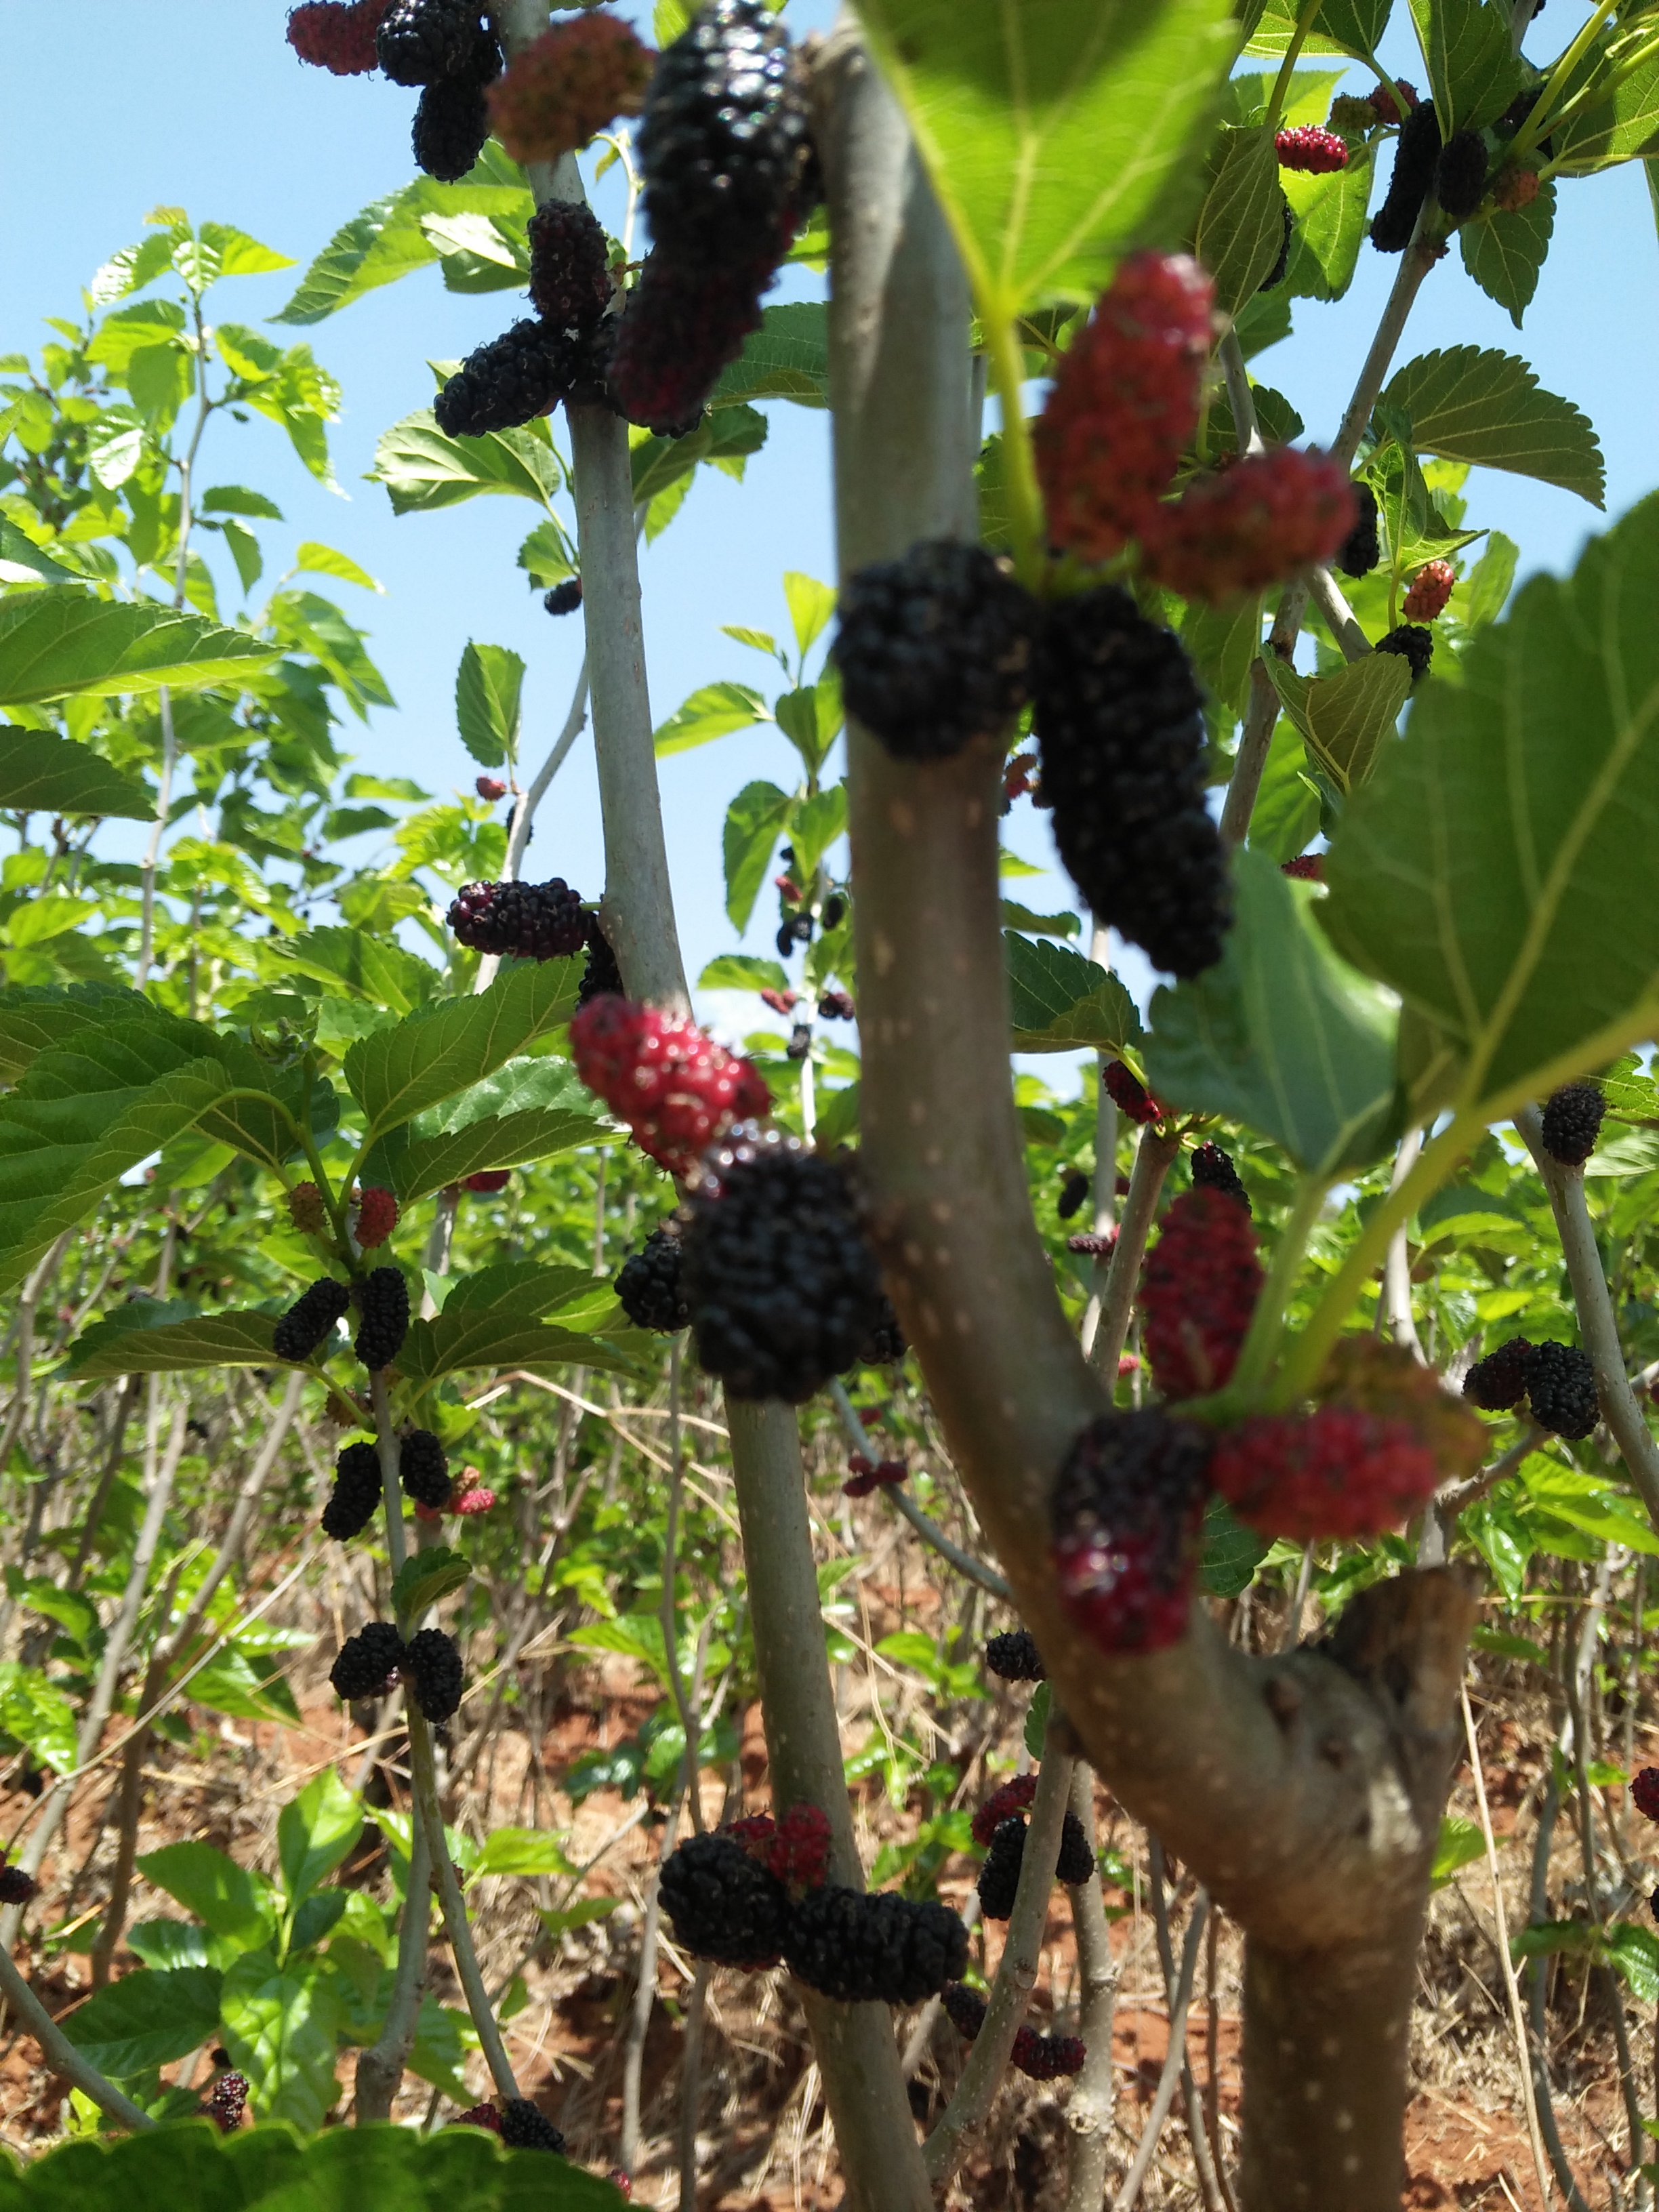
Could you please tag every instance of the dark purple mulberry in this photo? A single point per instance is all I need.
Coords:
(1128, 1510)
(452, 123)
(1561, 1390)
(383, 1302)
(433, 1664)
(648, 1285)
(1572, 1122)
(17, 1886)
(724, 1904)
(884, 1949)
(1072, 1192)
(226, 2102)
(367, 1662)
(684, 322)
(1361, 549)
(1460, 175)
(357, 1492)
(1280, 269)
(1076, 1863)
(422, 1469)
(601, 977)
(309, 1321)
(524, 2127)
(1416, 158)
(1213, 1169)
(1046, 2057)
(965, 2010)
(532, 921)
(423, 41)
(1413, 644)
(523, 374)
(564, 598)
(999, 1878)
(1499, 1381)
(569, 267)
(1015, 1657)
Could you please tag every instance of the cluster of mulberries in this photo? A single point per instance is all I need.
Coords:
(1497, 1383)
(309, 1321)
(726, 155)
(782, 1285)
(675, 1088)
(935, 648)
(1361, 550)
(1317, 153)
(1339, 1471)
(1015, 1657)
(1253, 526)
(1416, 158)
(226, 2103)
(999, 1878)
(1414, 645)
(367, 1662)
(383, 1302)
(530, 922)
(1201, 1283)
(1572, 1122)
(1043, 2058)
(1213, 1169)
(340, 38)
(1119, 720)
(1127, 1512)
(1428, 592)
(865, 1474)
(430, 1663)
(881, 1949)
(524, 2126)
(446, 48)
(357, 1492)
(648, 1285)
(563, 89)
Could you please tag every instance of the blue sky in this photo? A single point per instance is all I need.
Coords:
(200, 103)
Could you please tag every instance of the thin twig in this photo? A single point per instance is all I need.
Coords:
(1173, 2059)
(971, 1569)
(60, 2054)
(1153, 1157)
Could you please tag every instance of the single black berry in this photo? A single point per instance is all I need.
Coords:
(1561, 1390)
(835, 913)
(1413, 644)
(782, 1287)
(1361, 550)
(569, 267)
(1277, 275)
(433, 1662)
(1072, 1192)
(684, 322)
(1213, 1169)
(524, 2127)
(422, 1469)
(1499, 1381)
(309, 1321)
(1015, 1657)
(523, 374)
(564, 598)
(999, 1878)
(383, 1302)
(532, 921)
(1460, 175)
(648, 1285)
(1127, 1513)
(421, 41)
(366, 1661)
(884, 1344)
(1119, 724)
(227, 2102)
(17, 1886)
(1415, 161)
(965, 2008)
(883, 1949)
(357, 1492)
(601, 977)
(1047, 2057)
(935, 648)
(1076, 1863)
(1572, 1122)
(724, 1904)
(451, 122)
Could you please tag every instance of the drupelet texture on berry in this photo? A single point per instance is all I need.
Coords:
(1341, 1471)
(935, 648)
(1460, 175)
(1414, 645)
(1076, 1863)
(431, 1663)
(782, 1284)
(309, 1321)
(1644, 1792)
(601, 977)
(1129, 1094)
(674, 1087)
(17, 1886)
(450, 127)
(422, 1469)
(366, 1661)
(1119, 720)
(1124, 404)
(1416, 158)
(1201, 1283)
(723, 1904)
(1213, 1169)
(648, 1285)
(798, 1849)
(1572, 1122)
(533, 921)
(1307, 867)
(565, 87)
(422, 41)
(1498, 1383)
(569, 267)
(1316, 152)
(999, 1878)
(1561, 1390)
(479, 2115)
(883, 1949)
(682, 323)
(1047, 2057)
(1003, 1804)
(965, 2008)
(1361, 550)
(1255, 524)
(227, 2102)
(356, 1493)
(1125, 1516)
(1429, 591)
(383, 1302)
(1015, 1657)
(337, 38)
(506, 382)
(377, 1216)
(524, 2126)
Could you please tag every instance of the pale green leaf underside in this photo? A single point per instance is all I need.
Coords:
(39, 771)
(61, 641)
(149, 1339)
(1486, 408)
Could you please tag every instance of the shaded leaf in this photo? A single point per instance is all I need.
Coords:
(1241, 225)
(314, 1832)
(1504, 250)
(61, 640)
(1474, 71)
(426, 1577)
(1059, 1001)
(788, 358)
(58, 775)
(147, 2019)
(1345, 717)
(145, 1337)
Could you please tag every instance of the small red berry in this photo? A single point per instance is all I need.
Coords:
(1128, 1094)
(1341, 1471)
(479, 2115)
(336, 37)
(799, 1853)
(490, 787)
(1019, 776)
(1515, 189)
(227, 2102)
(488, 1181)
(619, 2177)
(1124, 404)
(1093, 1244)
(674, 1087)
(306, 1209)
(1310, 866)
(1430, 588)
(1317, 153)
(1257, 525)
(377, 1216)
(562, 90)
(1644, 1792)
(754, 1832)
(474, 1498)
(1128, 1515)
(780, 1002)
(1002, 1805)
(1393, 107)
(1201, 1284)
(1046, 2057)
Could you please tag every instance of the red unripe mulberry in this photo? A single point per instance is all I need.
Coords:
(337, 38)
(798, 1851)
(563, 89)
(1341, 1472)
(1393, 107)
(377, 1216)
(1125, 403)
(487, 1180)
(1201, 1284)
(1644, 1792)
(1255, 526)
(1515, 189)
(1430, 588)
(1003, 1804)
(1310, 866)
(675, 1088)
(1317, 153)
(1128, 1094)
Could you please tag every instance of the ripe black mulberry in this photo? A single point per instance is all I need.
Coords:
(682, 323)
(1276, 276)
(1076, 1863)
(935, 648)
(601, 977)
(1015, 1657)
(367, 1662)
(1213, 1169)
(523, 374)
(1413, 644)
(648, 1285)
(1119, 724)
(532, 921)
(422, 1469)
(1072, 1192)
(1572, 1122)
(1561, 1390)
(357, 1492)
(1460, 175)
(423, 41)
(999, 1878)
(1498, 1383)
(1047, 2057)
(309, 1321)
(452, 123)
(569, 267)
(884, 1949)
(723, 1904)
(433, 1663)
(1128, 1512)
(1415, 161)
(783, 1287)
(524, 2127)
(885, 1343)
(965, 2010)
(1361, 550)
(564, 598)
(383, 1302)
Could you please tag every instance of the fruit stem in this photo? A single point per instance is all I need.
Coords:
(1267, 1322)
(1537, 124)
(1018, 463)
(1304, 23)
